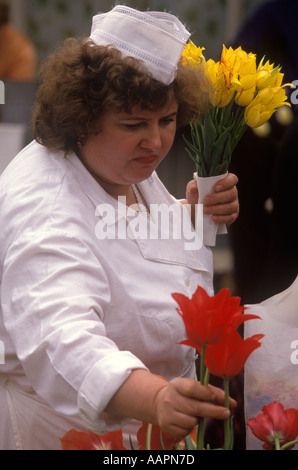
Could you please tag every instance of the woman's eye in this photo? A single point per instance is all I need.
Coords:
(132, 127)
(166, 122)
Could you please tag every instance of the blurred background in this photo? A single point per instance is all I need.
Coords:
(260, 244)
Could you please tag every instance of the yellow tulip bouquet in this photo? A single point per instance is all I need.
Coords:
(241, 94)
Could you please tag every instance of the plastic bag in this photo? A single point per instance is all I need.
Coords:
(271, 372)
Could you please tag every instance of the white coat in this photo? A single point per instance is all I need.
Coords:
(79, 309)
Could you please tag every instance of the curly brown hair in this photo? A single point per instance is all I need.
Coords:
(81, 80)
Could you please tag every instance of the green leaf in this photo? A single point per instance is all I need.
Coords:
(209, 136)
(214, 139)
(221, 153)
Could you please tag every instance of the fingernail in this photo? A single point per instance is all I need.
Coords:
(219, 187)
(227, 414)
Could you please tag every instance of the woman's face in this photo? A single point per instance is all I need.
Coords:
(129, 146)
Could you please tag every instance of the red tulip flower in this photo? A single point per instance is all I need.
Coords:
(205, 317)
(169, 443)
(275, 424)
(75, 440)
(155, 443)
(227, 357)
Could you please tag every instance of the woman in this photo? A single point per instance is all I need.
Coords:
(89, 326)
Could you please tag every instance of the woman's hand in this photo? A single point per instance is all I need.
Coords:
(222, 205)
(174, 406)
(183, 401)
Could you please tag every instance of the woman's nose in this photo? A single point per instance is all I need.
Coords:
(152, 138)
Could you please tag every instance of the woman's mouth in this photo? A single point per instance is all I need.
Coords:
(146, 160)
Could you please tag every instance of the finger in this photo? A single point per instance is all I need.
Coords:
(176, 431)
(220, 396)
(222, 197)
(222, 209)
(192, 192)
(193, 389)
(208, 410)
(225, 219)
(192, 407)
(185, 422)
(226, 183)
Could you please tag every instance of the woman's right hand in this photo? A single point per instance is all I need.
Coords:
(174, 406)
(180, 404)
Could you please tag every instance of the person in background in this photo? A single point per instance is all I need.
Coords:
(262, 239)
(18, 58)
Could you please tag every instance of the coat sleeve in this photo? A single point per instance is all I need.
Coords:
(54, 294)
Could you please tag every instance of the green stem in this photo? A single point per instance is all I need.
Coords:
(201, 430)
(207, 375)
(227, 425)
(148, 437)
(289, 444)
(277, 443)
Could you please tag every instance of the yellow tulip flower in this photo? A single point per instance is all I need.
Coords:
(238, 62)
(245, 97)
(220, 92)
(268, 75)
(264, 105)
(240, 68)
(257, 115)
(241, 93)
(192, 55)
(246, 89)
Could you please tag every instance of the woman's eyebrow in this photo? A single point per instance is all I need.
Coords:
(139, 118)
(170, 115)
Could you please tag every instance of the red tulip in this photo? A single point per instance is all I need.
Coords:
(205, 317)
(227, 357)
(275, 423)
(75, 440)
(155, 444)
(169, 443)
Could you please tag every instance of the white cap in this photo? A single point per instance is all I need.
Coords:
(156, 38)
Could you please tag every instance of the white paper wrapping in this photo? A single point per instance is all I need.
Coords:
(210, 228)
(271, 372)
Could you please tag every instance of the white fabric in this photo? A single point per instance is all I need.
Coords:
(79, 313)
(157, 38)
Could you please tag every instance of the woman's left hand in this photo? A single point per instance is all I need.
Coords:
(223, 204)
